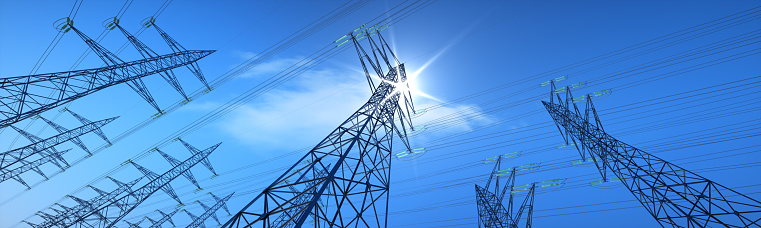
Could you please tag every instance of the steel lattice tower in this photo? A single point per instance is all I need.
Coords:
(349, 171)
(492, 213)
(110, 210)
(27, 96)
(44, 147)
(85, 206)
(164, 217)
(208, 212)
(675, 197)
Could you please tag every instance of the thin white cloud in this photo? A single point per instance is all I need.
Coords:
(312, 106)
(267, 68)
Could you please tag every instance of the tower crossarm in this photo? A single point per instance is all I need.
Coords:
(22, 97)
(674, 196)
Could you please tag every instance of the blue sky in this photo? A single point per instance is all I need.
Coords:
(462, 47)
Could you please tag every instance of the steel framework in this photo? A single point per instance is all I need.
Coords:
(109, 211)
(41, 146)
(176, 47)
(350, 169)
(22, 97)
(62, 129)
(164, 218)
(59, 220)
(674, 196)
(147, 52)
(492, 213)
(208, 212)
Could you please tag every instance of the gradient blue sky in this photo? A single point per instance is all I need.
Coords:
(468, 46)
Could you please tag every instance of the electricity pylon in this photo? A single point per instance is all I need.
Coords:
(674, 196)
(491, 210)
(62, 129)
(164, 217)
(110, 211)
(350, 169)
(84, 120)
(15, 173)
(43, 147)
(27, 96)
(208, 212)
(81, 208)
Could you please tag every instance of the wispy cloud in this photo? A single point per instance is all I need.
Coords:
(266, 68)
(313, 105)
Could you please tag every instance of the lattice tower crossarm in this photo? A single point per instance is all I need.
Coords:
(674, 196)
(349, 170)
(26, 96)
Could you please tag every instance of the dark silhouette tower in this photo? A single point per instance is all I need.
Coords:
(344, 180)
(674, 196)
(492, 212)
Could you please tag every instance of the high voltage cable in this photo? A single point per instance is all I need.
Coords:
(610, 75)
(637, 46)
(719, 168)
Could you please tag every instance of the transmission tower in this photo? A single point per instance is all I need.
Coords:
(87, 121)
(62, 129)
(674, 196)
(15, 173)
(208, 212)
(44, 147)
(491, 210)
(349, 169)
(135, 225)
(164, 218)
(27, 96)
(87, 205)
(108, 212)
(224, 206)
